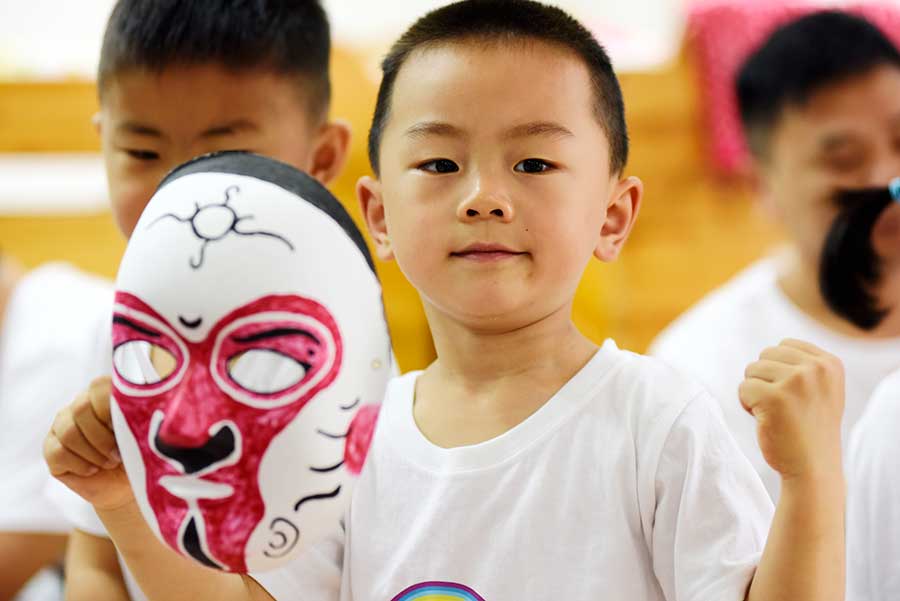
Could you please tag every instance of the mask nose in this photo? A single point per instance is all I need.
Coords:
(216, 449)
(192, 431)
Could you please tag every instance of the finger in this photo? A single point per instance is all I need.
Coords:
(752, 392)
(768, 371)
(61, 461)
(98, 395)
(97, 433)
(785, 354)
(68, 434)
(804, 346)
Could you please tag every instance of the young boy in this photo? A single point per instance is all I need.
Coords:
(526, 463)
(864, 249)
(820, 105)
(180, 79)
(873, 496)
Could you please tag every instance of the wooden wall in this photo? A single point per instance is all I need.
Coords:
(694, 231)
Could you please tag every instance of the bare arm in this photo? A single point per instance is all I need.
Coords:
(796, 393)
(92, 570)
(23, 554)
(164, 575)
(804, 555)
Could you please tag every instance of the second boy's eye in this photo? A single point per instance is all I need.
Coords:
(532, 166)
(440, 166)
(143, 155)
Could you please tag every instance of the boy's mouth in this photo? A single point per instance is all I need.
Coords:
(486, 252)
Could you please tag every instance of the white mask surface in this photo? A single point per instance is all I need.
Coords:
(250, 349)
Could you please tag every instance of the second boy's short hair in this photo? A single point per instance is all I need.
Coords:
(801, 58)
(287, 37)
(508, 20)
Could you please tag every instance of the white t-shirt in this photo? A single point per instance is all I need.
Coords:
(717, 339)
(625, 485)
(873, 504)
(52, 321)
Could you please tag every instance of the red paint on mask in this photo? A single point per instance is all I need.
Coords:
(197, 403)
(359, 438)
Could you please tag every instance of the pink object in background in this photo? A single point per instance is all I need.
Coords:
(723, 33)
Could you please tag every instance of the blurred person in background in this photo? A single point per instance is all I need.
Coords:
(820, 107)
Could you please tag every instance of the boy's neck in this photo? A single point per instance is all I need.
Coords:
(486, 382)
(799, 281)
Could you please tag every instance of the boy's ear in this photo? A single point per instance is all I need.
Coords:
(97, 122)
(329, 155)
(754, 174)
(368, 191)
(621, 213)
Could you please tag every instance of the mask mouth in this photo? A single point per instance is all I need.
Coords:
(849, 269)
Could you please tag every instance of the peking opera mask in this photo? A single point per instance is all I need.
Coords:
(250, 351)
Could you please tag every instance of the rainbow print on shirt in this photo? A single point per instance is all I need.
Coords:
(438, 591)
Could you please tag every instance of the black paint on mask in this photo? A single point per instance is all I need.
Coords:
(849, 268)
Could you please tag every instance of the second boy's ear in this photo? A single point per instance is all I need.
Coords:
(96, 121)
(330, 151)
(621, 213)
(756, 179)
(368, 191)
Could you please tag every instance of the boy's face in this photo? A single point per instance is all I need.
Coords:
(846, 136)
(495, 187)
(151, 122)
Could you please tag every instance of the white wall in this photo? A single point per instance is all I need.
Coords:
(638, 33)
(61, 38)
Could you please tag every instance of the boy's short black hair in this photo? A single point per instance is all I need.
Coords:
(288, 37)
(799, 59)
(508, 20)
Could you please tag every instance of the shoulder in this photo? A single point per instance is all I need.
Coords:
(714, 318)
(62, 295)
(398, 401)
(648, 392)
(875, 437)
(62, 277)
(58, 307)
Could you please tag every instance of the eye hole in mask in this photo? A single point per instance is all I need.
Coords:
(143, 363)
(849, 268)
(266, 371)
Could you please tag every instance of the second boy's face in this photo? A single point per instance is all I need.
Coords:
(495, 181)
(152, 122)
(846, 135)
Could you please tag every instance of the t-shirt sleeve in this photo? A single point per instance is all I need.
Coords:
(712, 513)
(38, 382)
(314, 575)
(27, 419)
(873, 505)
(76, 511)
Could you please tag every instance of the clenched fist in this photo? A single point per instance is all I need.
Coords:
(81, 451)
(796, 393)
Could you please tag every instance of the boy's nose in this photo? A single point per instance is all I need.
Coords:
(482, 206)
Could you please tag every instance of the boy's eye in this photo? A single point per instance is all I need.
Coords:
(440, 166)
(532, 166)
(143, 155)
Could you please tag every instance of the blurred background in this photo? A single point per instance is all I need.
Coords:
(698, 225)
